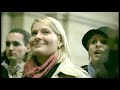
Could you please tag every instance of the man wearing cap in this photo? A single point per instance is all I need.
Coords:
(95, 42)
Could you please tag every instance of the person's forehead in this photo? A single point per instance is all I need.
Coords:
(15, 37)
(40, 25)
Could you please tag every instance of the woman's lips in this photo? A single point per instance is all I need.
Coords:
(38, 44)
(98, 52)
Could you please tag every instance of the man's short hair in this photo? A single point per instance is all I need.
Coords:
(23, 32)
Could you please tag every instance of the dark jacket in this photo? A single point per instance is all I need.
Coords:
(4, 73)
(85, 67)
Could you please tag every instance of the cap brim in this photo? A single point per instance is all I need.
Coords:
(89, 34)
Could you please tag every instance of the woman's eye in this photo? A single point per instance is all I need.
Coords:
(93, 42)
(45, 32)
(104, 42)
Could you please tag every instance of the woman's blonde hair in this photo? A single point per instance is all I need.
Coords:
(57, 28)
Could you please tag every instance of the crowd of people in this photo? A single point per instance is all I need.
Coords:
(45, 53)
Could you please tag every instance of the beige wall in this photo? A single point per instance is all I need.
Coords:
(76, 24)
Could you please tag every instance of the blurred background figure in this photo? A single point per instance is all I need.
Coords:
(110, 58)
(13, 57)
(96, 42)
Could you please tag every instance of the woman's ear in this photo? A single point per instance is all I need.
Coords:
(60, 45)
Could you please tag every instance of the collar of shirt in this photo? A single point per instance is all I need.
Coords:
(18, 69)
(66, 67)
(91, 70)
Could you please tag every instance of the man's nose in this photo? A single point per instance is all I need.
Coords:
(11, 47)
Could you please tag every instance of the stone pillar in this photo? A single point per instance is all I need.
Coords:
(65, 20)
(16, 19)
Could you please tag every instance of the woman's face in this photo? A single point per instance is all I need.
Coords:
(44, 41)
(97, 45)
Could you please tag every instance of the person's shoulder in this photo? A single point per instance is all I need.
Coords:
(62, 75)
(4, 73)
(84, 67)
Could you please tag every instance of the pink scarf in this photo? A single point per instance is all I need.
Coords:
(31, 70)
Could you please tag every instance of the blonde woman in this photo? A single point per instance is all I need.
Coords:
(50, 54)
